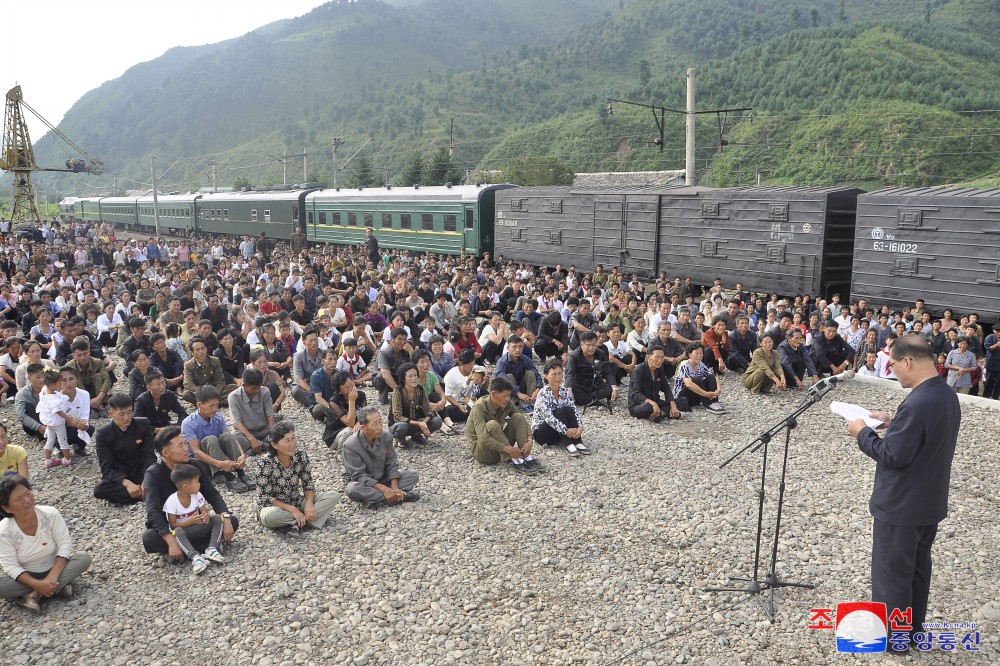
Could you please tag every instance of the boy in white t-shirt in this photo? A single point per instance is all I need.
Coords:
(352, 363)
(187, 507)
(430, 330)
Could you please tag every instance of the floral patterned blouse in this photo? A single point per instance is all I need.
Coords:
(276, 482)
(546, 403)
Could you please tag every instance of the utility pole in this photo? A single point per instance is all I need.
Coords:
(215, 174)
(386, 176)
(305, 165)
(451, 139)
(284, 167)
(336, 143)
(156, 200)
(690, 177)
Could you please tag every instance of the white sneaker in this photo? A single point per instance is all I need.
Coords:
(582, 448)
(198, 564)
(716, 408)
(212, 555)
(571, 449)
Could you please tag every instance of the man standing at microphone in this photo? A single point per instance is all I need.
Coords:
(912, 476)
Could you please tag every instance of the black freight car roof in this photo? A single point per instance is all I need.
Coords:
(934, 192)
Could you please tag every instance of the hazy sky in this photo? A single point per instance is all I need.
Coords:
(65, 48)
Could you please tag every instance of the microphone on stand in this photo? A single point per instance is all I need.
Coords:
(831, 381)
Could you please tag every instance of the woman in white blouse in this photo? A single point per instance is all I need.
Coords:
(36, 552)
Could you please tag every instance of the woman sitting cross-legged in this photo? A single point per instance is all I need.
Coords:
(411, 419)
(36, 551)
(696, 382)
(288, 497)
(556, 420)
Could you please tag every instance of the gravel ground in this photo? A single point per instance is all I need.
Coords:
(601, 560)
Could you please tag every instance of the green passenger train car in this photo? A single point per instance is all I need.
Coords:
(275, 212)
(444, 219)
(177, 212)
(88, 209)
(119, 211)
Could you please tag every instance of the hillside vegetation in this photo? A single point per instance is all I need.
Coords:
(855, 91)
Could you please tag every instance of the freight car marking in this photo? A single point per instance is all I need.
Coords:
(506, 223)
(882, 246)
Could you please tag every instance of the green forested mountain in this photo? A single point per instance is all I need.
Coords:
(843, 91)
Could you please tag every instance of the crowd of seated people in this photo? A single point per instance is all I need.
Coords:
(138, 349)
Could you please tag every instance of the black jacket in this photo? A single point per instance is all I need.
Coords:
(125, 454)
(645, 385)
(159, 417)
(159, 487)
(914, 456)
(795, 362)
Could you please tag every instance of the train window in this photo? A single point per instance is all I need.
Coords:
(470, 218)
(309, 217)
(334, 218)
(295, 212)
(225, 213)
(267, 215)
(369, 219)
(352, 219)
(253, 215)
(404, 221)
(386, 220)
(322, 217)
(450, 223)
(427, 221)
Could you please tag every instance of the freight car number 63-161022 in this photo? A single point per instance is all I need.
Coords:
(885, 246)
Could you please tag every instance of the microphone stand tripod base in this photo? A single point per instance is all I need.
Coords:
(754, 588)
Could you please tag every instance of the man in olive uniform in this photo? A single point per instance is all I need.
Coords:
(497, 431)
(298, 241)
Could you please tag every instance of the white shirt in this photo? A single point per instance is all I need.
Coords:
(174, 507)
(457, 385)
(618, 351)
(654, 321)
(20, 552)
(105, 324)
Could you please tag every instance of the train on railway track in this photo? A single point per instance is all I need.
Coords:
(890, 246)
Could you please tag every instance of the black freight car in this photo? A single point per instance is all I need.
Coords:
(785, 239)
(940, 244)
(789, 240)
(545, 226)
(615, 227)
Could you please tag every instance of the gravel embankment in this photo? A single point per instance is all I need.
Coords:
(598, 561)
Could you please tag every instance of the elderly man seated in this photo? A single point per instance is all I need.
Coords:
(371, 467)
(252, 412)
(498, 431)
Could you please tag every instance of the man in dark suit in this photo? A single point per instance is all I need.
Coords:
(912, 476)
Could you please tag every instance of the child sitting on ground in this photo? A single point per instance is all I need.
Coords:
(53, 406)
(430, 330)
(175, 341)
(186, 508)
(352, 363)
